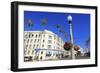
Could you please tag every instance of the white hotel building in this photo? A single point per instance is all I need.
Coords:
(43, 45)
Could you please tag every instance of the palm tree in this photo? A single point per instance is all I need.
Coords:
(57, 26)
(64, 33)
(30, 23)
(88, 43)
(88, 46)
(44, 22)
(60, 30)
(76, 48)
(78, 53)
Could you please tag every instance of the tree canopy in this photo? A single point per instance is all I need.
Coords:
(68, 46)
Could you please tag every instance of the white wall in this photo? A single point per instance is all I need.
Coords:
(5, 35)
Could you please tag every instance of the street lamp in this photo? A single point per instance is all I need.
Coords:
(69, 18)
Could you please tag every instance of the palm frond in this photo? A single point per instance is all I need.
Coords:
(44, 21)
(30, 22)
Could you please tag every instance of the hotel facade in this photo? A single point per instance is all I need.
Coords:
(43, 45)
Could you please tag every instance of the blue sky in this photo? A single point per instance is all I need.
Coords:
(80, 24)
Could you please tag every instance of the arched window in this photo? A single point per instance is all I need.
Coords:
(36, 36)
(32, 35)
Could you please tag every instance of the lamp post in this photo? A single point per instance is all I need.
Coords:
(69, 18)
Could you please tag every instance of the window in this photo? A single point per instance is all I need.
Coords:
(30, 46)
(36, 36)
(58, 39)
(32, 35)
(28, 41)
(37, 46)
(38, 40)
(42, 46)
(32, 51)
(29, 35)
(26, 46)
(58, 47)
(43, 35)
(54, 42)
(25, 52)
(31, 41)
(49, 41)
(28, 52)
(54, 54)
(50, 37)
(54, 37)
(34, 40)
(24, 40)
(41, 52)
(39, 35)
(26, 36)
(58, 44)
(43, 40)
(41, 57)
(48, 53)
(33, 46)
(54, 47)
(49, 46)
